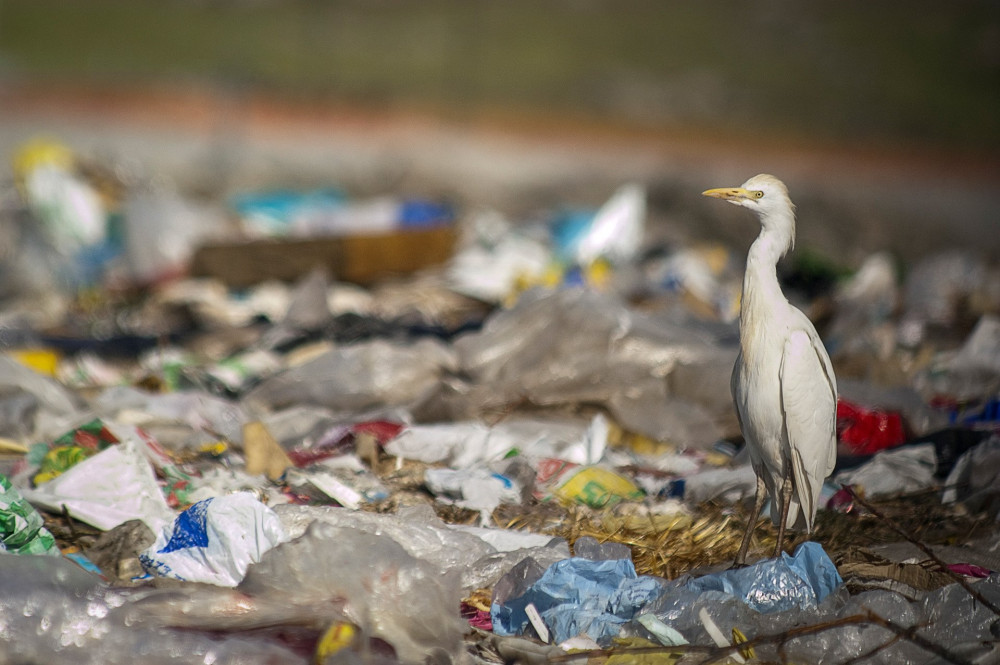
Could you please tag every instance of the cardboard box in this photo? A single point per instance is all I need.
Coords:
(362, 259)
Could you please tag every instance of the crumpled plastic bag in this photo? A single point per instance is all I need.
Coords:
(577, 596)
(578, 346)
(801, 580)
(215, 540)
(903, 469)
(408, 602)
(359, 376)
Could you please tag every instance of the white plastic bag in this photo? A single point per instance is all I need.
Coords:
(215, 540)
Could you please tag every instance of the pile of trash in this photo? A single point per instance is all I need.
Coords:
(522, 449)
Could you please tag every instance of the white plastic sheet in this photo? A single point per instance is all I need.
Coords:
(113, 486)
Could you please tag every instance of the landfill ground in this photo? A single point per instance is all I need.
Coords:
(395, 469)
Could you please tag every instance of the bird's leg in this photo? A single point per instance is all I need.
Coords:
(786, 499)
(758, 503)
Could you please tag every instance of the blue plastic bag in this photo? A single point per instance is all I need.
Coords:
(774, 585)
(577, 596)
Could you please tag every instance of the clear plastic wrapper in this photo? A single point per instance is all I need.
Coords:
(391, 595)
(55, 612)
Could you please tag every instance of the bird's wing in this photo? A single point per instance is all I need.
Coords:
(809, 401)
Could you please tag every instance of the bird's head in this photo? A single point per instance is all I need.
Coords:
(765, 195)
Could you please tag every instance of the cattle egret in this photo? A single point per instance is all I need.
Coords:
(783, 384)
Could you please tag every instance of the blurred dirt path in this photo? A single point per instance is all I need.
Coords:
(856, 198)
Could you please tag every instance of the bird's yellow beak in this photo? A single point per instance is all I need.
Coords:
(728, 193)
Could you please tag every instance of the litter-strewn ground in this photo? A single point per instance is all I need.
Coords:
(525, 452)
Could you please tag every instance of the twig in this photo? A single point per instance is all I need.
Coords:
(716, 653)
(926, 550)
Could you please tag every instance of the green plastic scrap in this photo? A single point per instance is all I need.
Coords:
(22, 529)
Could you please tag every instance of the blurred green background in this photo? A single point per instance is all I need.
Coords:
(915, 73)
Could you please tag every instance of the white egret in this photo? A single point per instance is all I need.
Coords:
(783, 384)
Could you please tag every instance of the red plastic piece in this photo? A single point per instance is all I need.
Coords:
(867, 431)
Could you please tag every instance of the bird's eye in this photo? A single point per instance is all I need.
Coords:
(758, 194)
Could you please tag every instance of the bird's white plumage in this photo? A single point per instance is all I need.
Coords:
(783, 384)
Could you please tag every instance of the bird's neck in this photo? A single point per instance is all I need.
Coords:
(761, 290)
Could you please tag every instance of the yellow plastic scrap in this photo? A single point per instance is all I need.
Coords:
(43, 361)
(215, 449)
(618, 437)
(41, 152)
(338, 636)
(740, 638)
(598, 273)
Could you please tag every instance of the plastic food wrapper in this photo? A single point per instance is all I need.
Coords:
(70, 449)
(577, 596)
(215, 540)
(904, 469)
(21, 527)
(112, 487)
(594, 486)
(867, 431)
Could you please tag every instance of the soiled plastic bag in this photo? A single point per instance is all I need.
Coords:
(360, 376)
(408, 602)
(578, 346)
(215, 540)
(482, 555)
(904, 469)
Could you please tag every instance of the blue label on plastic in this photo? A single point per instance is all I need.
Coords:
(189, 528)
